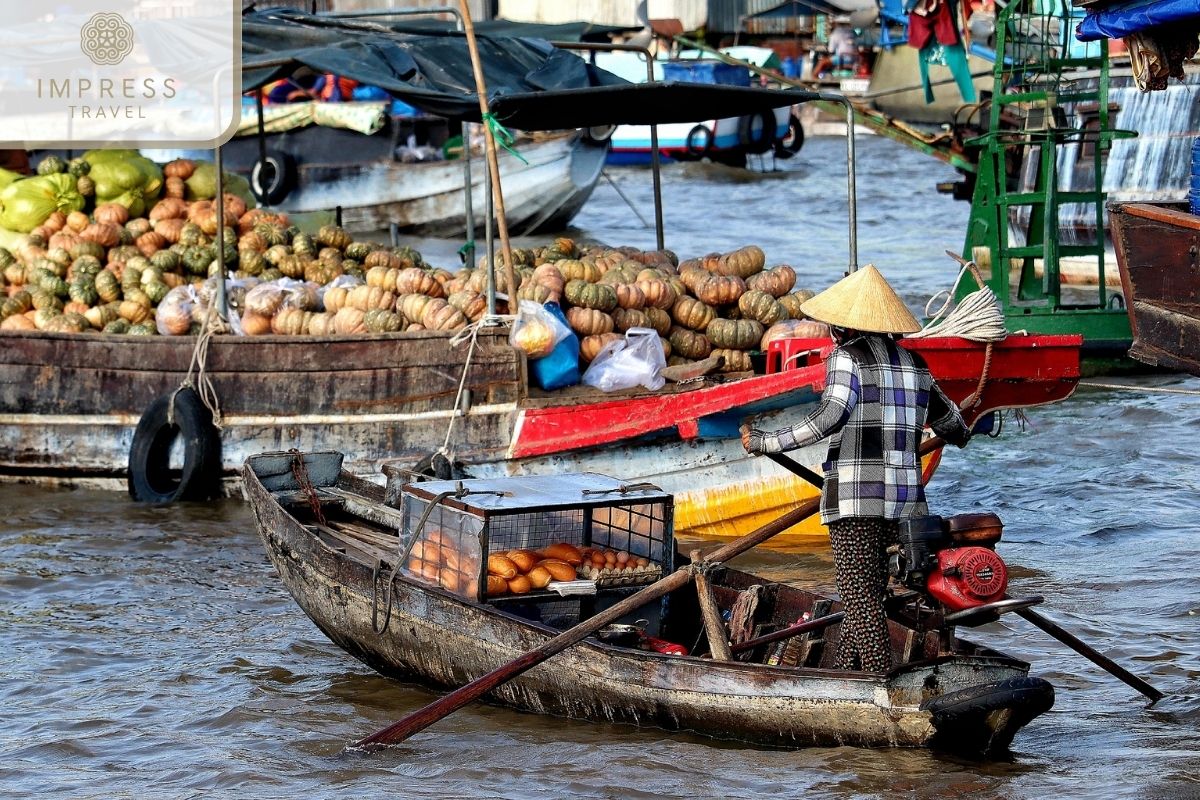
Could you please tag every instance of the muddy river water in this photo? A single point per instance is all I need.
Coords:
(152, 652)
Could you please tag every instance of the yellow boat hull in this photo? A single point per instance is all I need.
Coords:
(735, 509)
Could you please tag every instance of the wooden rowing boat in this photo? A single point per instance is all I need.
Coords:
(1157, 248)
(69, 405)
(946, 692)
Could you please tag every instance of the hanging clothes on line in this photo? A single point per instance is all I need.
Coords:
(932, 30)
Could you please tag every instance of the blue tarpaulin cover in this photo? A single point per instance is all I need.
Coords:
(1119, 21)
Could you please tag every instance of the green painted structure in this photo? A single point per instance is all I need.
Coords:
(1039, 85)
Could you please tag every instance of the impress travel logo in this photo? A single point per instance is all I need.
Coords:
(134, 73)
(106, 39)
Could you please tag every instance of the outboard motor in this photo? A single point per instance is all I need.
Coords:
(951, 560)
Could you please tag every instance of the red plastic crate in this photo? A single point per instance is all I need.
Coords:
(785, 354)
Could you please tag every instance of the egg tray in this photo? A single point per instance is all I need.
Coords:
(621, 577)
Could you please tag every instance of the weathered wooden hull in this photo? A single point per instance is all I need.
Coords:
(444, 641)
(69, 403)
(1158, 248)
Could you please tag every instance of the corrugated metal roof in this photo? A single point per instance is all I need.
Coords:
(725, 16)
(479, 8)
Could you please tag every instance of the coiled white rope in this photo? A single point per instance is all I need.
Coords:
(977, 316)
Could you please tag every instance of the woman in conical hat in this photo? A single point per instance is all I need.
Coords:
(878, 399)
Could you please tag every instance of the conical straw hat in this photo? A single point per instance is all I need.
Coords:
(862, 301)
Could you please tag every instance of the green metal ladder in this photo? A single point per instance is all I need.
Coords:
(1036, 83)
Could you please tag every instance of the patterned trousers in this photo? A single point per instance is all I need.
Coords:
(860, 558)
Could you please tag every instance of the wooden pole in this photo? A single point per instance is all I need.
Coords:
(444, 706)
(492, 159)
(1096, 657)
(714, 628)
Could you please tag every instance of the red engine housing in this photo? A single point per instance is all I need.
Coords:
(967, 577)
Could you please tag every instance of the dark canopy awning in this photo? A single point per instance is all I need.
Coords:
(792, 8)
(658, 103)
(557, 32)
(531, 84)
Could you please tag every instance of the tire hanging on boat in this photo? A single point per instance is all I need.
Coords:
(758, 139)
(790, 144)
(273, 177)
(962, 717)
(599, 133)
(151, 479)
(699, 141)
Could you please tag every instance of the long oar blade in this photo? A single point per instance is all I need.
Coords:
(1091, 654)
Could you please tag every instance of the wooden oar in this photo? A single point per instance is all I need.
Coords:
(1091, 654)
(801, 471)
(444, 706)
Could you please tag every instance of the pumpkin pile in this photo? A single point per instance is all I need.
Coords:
(140, 262)
(135, 256)
(721, 304)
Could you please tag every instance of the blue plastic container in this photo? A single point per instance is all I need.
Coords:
(561, 367)
(1194, 194)
(704, 71)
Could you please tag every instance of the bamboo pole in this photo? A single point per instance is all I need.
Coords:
(492, 160)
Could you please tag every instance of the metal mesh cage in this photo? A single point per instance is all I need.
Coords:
(482, 518)
(448, 551)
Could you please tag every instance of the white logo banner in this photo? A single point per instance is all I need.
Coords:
(131, 73)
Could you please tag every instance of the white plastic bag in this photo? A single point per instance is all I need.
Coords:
(536, 330)
(635, 360)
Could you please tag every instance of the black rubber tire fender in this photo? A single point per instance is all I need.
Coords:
(150, 479)
(273, 177)
(1026, 694)
(699, 141)
(763, 139)
(789, 146)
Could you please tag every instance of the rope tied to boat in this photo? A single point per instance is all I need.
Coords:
(977, 318)
(502, 135)
(197, 377)
(469, 334)
(387, 612)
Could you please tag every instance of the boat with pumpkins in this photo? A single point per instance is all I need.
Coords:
(71, 403)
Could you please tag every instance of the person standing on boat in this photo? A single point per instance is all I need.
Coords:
(877, 401)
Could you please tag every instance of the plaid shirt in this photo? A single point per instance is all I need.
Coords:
(878, 398)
